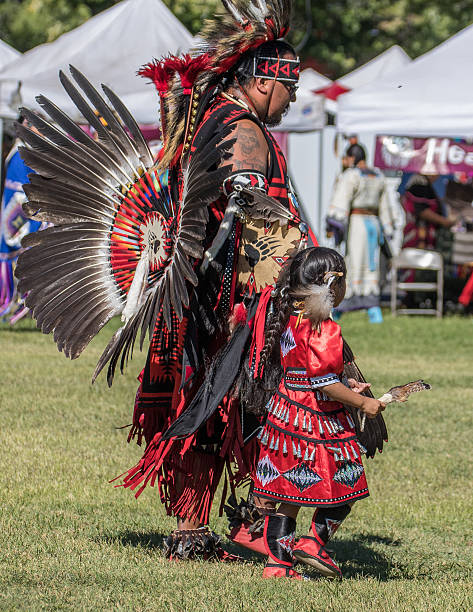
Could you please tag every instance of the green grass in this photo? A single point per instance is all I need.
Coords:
(69, 540)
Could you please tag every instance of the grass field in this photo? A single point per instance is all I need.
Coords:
(69, 540)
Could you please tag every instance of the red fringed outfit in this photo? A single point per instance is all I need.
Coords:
(309, 454)
(188, 471)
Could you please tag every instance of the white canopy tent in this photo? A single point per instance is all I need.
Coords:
(7, 54)
(108, 48)
(433, 96)
(312, 80)
(307, 113)
(382, 65)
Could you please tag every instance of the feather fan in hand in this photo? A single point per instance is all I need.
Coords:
(401, 393)
(120, 244)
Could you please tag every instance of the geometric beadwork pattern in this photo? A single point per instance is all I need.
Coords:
(348, 473)
(266, 471)
(287, 342)
(287, 542)
(302, 476)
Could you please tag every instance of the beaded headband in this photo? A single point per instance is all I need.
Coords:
(277, 68)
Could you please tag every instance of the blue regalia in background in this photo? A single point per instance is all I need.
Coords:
(13, 226)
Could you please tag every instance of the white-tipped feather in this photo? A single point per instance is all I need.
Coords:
(318, 301)
(233, 10)
(137, 287)
(263, 7)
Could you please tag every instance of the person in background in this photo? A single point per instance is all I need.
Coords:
(358, 211)
(14, 225)
(424, 213)
(427, 227)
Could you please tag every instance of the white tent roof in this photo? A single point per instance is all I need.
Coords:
(307, 113)
(432, 96)
(311, 79)
(386, 63)
(7, 54)
(108, 48)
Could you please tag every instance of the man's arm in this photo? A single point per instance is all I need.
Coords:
(248, 153)
(250, 150)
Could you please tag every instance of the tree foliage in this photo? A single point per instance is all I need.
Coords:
(348, 33)
(339, 35)
(24, 24)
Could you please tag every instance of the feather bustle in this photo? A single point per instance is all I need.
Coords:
(93, 189)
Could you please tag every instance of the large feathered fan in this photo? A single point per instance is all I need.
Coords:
(374, 433)
(120, 244)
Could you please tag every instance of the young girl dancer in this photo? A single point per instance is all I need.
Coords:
(308, 451)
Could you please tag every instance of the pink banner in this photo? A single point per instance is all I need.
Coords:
(424, 155)
(282, 140)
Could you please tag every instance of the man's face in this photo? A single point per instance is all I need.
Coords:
(281, 98)
(350, 161)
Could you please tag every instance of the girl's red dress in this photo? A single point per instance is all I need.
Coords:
(308, 453)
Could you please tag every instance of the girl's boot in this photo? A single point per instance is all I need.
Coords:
(279, 538)
(310, 549)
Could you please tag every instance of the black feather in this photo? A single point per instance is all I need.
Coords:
(65, 122)
(114, 130)
(129, 121)
(81, 186)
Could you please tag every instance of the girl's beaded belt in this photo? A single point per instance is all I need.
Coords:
(296, 379)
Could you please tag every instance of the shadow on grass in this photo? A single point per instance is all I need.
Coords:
(358, 558)
(149, 540)
(16, 329)
(155, 541)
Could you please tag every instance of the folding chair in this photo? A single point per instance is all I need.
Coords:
(417, 259)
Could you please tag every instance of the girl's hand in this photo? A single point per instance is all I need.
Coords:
(372, 407)
(358, 387)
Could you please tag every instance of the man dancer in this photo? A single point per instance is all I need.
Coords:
(253, 94)
(140, 246)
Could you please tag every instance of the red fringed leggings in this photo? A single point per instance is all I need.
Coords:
(189, 483)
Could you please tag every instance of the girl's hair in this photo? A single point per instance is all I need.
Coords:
(308, 268)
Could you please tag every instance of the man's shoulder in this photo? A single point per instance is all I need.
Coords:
(350, 176)
(229, 109)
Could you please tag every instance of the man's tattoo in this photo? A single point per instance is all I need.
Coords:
(254, 164)
(247, 140)
(248, 151)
